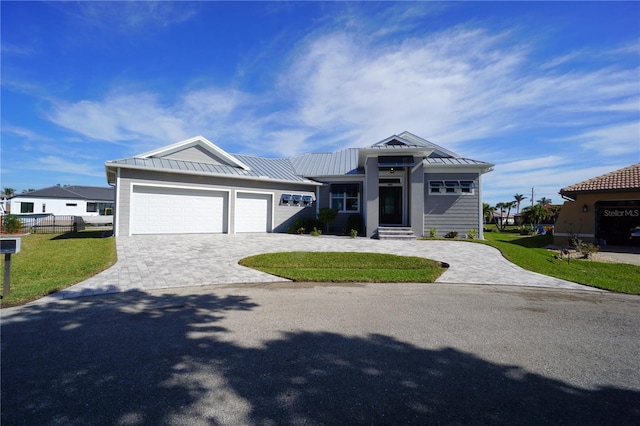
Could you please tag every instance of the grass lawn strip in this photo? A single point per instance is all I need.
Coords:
(346, 267)
(50, 262)
(530, 253)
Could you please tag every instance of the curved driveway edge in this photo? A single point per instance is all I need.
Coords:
(147, 262)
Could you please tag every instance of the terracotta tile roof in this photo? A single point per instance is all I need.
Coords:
(627, 179)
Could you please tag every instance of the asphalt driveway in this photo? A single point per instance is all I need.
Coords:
(147, 262)
(265, 354)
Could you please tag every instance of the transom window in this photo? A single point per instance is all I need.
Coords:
(451, 187)
(345, 197)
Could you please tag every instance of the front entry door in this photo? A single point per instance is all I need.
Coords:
(390, 205)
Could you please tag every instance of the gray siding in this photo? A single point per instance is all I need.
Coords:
(446, 213)
(194, 153)
(340, 223)
(283, 216)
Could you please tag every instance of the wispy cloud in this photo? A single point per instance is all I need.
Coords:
(65, 166)
(135, 16)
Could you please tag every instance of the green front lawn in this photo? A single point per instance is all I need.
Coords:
(50, 262)
(529, 253)
(345, 267)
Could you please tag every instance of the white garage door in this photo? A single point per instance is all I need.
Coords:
(159, 210)
(253, 212)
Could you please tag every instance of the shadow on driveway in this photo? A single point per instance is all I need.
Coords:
(135, 358)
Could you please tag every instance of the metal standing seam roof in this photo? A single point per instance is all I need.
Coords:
(275, 169)
(626, 179)
(443, 161)
(337, 163)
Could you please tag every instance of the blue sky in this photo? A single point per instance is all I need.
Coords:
(549, 92)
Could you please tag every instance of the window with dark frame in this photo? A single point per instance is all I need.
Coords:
(26, 207)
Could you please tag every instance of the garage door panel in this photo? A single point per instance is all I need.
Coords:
(160, 210)
(253, 213)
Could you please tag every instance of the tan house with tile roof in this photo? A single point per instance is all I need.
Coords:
(602, 210)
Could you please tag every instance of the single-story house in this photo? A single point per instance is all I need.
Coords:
(603, 210)
(64, 200)
(402, 183)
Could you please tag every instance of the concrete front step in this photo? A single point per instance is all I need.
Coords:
(395, 233)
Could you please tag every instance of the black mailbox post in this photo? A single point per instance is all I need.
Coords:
(8, 246)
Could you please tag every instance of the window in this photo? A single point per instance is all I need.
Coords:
(451, 187)
(345, 197)
(26, 207)
(104, 209)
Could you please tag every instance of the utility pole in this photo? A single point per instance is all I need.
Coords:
(532, 196)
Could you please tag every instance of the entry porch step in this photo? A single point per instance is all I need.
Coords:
(395, 233)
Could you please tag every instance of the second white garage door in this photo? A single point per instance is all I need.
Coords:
(162, 210)
(253, 212)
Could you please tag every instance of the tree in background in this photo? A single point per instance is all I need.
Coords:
(487, 212)
(544, 201)
(536, 214)
(519, 199)
(8, 192)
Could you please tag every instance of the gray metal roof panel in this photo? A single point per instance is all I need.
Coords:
(327, 164)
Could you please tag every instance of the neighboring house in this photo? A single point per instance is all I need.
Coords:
(65, 200)
(193, 186)
(604, 209)
(3, 203)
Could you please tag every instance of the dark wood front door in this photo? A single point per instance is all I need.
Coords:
(390, 205)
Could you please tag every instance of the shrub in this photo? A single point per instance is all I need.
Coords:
(11, 224)
(354, 233)
(306, 223)
(433, 232)
(301, 230)
(327, 215)
(316, 232)
(472, 233)
(586, 249)
(354, 221)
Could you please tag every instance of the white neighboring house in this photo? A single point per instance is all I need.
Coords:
(62, 201)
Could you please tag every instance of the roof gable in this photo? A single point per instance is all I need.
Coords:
(626, 179)
(407, 140)
(197, 149)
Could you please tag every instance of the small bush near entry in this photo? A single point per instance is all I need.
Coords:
(354, 221)
(354, 233)
(433, 232)
(11, 224)
(316, 232)
(472, 234)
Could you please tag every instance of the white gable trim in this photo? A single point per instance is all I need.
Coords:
(196, 141)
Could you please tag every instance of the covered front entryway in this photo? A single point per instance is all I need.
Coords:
(391, 205)
(170, 210)
(253, 212)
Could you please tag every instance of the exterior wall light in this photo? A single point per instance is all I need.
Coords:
(585, 208)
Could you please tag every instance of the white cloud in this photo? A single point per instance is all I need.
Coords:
(345, 87)
(65, 166)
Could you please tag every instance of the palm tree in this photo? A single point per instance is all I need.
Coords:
(535, 214)
(8, 192)
(501, 207)
(487, 212)
(508, 205)
(519, 198)
(544, 201)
